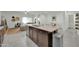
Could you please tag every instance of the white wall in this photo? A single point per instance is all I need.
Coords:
(60, 18)
(45, 18)
(8, 16)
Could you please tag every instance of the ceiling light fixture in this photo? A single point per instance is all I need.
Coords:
(26, 12)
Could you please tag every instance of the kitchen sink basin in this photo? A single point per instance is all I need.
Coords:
(36, 25)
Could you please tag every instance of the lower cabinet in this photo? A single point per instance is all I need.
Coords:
(30, 33)
(34, 36)
(45, 39)
(41, 38)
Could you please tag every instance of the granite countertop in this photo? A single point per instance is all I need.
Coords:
(48, 28)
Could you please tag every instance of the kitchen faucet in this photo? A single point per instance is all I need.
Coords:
(38, 22)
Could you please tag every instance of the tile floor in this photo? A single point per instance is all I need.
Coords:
(18, 40)
(71, 38)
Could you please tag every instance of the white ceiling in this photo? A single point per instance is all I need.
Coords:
(38, 12)
(44, 12)
(33, 13)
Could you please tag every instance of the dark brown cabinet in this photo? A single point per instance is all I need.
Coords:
(45, 39)
(30, 32)
(34, 35)
(40, 37)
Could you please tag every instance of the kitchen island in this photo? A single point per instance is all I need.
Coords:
(42, 35)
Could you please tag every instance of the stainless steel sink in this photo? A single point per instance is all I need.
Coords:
(36, 25)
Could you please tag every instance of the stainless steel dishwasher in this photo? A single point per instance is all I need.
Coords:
(58, 39)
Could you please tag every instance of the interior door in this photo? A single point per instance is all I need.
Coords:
(71, 20)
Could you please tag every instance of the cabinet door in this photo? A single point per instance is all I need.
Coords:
(42, 39)
(39, 38)
(45, 39)
(35, 35)
(30, 32)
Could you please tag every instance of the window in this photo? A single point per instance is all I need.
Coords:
(24, 20)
